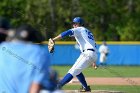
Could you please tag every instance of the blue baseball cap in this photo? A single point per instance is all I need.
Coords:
(78, 20)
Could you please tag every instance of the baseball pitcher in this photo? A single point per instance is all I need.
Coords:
(87, 45)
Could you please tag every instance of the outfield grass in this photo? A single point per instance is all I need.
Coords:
(126, 89)
(108, 71)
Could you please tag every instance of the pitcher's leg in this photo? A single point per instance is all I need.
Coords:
(68, 77)
(82, 80)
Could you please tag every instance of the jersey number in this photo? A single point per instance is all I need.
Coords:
(90, 36)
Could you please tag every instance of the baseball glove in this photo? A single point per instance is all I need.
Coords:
(51, 44)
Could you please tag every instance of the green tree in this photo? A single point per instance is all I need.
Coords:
(107, 19)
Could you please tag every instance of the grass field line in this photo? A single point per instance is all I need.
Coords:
(109, 81)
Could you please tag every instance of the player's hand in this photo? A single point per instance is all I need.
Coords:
(94, 66)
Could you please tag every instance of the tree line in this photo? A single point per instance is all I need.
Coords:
(111, 20)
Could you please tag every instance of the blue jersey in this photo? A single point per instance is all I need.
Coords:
(20, 65)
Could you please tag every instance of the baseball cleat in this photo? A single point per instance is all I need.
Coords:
(59, 86)
(82, 89)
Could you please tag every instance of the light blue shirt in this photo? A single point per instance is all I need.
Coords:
(21, 64)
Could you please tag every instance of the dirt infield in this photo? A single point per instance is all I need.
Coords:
(93, 91)
(109, 81)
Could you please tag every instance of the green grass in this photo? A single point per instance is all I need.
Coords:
(126, 89)
(108, 71)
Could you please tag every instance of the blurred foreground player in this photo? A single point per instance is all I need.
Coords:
(24, 66)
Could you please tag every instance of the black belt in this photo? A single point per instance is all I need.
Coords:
(89, 49)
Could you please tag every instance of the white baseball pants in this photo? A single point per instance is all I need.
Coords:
(85, 59)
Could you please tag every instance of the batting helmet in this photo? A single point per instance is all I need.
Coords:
(78, 20)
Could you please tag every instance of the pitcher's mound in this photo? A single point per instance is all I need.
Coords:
(93, 91)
